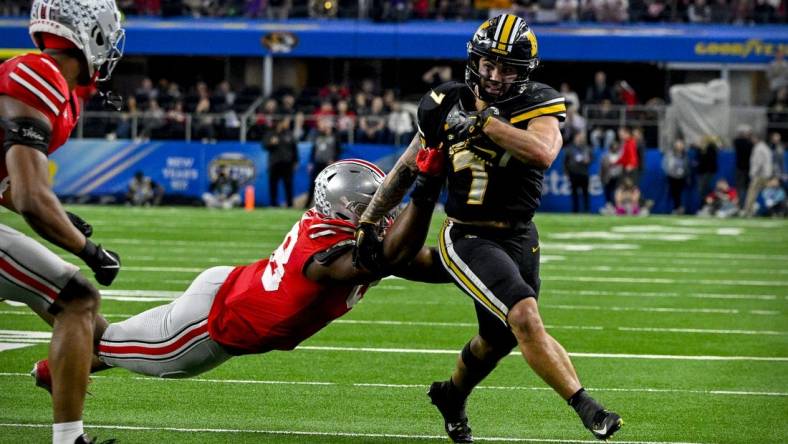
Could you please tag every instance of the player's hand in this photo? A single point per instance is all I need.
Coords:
(431, 161)
(366, 253)
(104, 263)
(85, 228)
(463, 125)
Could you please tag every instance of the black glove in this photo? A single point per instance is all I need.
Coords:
(368, 251)
(104, 263)
(463, 125)
(83, 227)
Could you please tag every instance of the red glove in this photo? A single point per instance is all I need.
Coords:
(431, 161)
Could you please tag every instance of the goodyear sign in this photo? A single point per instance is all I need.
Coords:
(744, 50)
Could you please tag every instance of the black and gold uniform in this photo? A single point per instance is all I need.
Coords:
(489, 244)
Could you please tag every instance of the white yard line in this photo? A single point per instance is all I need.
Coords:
(665, 294)
(404, 437)
(417, 386)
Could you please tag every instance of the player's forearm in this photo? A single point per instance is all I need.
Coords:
(43, 212)
(408, 234)
(394, 187)
(425, 267)
(538, 146)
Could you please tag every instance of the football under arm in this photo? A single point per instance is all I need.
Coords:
(394, 186)
(538, 145)
(30, 192)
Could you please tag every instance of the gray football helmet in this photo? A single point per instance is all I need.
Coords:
(93, 26)
(345, 188)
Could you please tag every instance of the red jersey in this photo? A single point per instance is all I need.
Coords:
(36, 80)
(271, 305)
(629, 154)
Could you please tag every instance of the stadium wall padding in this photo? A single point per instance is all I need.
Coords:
(435, 40)
(98, 168)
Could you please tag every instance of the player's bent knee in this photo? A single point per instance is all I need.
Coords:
(525, 321)
(79, 295)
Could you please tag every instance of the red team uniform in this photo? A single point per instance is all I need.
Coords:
(271, 305)
(35, 80)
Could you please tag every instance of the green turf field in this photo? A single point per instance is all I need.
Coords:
(679, 324)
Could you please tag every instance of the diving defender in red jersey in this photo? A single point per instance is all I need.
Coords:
(278, 302)
(80, 43)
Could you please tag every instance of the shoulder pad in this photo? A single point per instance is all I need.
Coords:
(537, 100)
(35, 80)
(433, 109)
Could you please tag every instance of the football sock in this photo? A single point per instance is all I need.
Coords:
(475, 369)
(585, 406)
(66, 432)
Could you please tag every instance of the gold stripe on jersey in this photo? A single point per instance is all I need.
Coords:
(457, 272)
(553, 109)
(506, 33)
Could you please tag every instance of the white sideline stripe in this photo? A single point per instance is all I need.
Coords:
(427, 351)
(661, 294)
(573, 354)
(336, 434)
(684, 270)
(161, 295)
(661, 309)
(419, 386)
(628, 280)
(14, 334)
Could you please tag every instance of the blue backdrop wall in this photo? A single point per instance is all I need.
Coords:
(99, 168)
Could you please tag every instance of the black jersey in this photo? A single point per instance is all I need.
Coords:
(487, 183)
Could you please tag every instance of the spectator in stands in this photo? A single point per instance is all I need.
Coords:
(153, 121)
(773, 197)
(127, 120)
(627, 198)
(574, 123)
(400, 124)
(765, 11)
(610, 173)
(777, 115)
(611, 11)
(599, 90)
(278, 9)
(437, 75)
(345, 122)
(640, 142)
(577, 160)
(571, 99)
(676, 167)
(452, 9)
(567, 10)
(267, 116)
(656, 11)
(146, 91)
(360, 104)
(629, 153)
(203, 121)
(761, 169)
(699, 12)
(175, 127)
(742, 145)
(326, 111)
(605, 120)
(143, 191)
(706, 163)
(222, 192)
(282, 160)
(778, 156)
(777, 72)
(372, 126)
(325, 151)
(333, 92)
(720, 12)
(624, 94)
(721, 202)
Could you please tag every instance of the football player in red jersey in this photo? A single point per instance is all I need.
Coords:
(278, 302)
(80, 43)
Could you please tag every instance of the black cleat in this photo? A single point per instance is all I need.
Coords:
(605, 424)
(455, 421)
(85, 439)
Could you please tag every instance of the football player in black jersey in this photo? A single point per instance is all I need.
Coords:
(500, 132)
